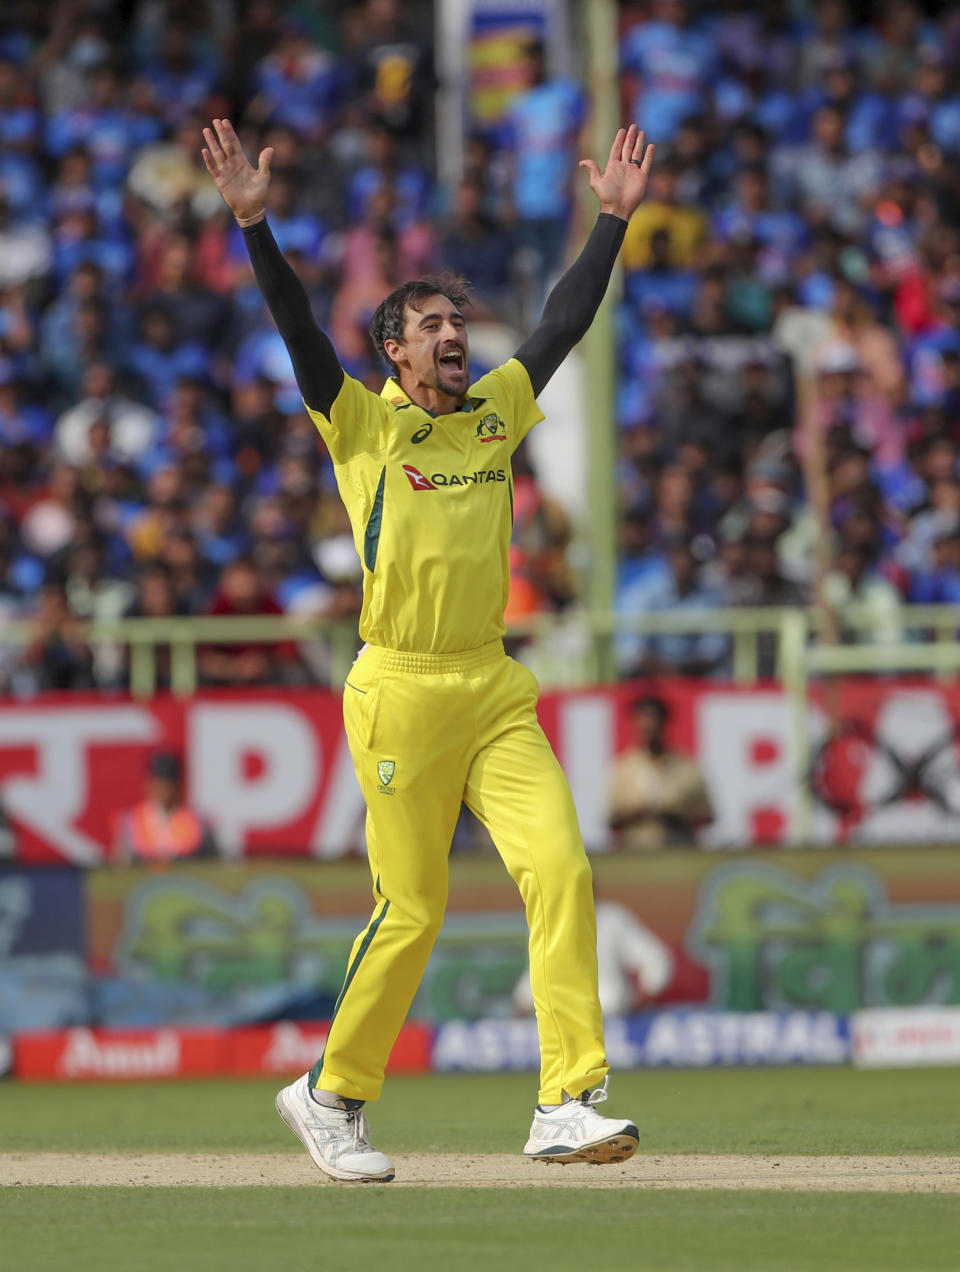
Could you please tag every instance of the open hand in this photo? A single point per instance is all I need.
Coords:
(244, 188)
(623, 182)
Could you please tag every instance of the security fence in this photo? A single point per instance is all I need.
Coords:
(566, 650)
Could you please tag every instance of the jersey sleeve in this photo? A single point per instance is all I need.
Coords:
(356, 422)
(510, 384)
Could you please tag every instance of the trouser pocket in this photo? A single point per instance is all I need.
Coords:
(362, 692)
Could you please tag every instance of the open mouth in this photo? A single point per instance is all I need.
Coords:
(453, 360)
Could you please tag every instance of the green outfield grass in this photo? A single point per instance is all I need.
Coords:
(476, 1230)
(502, 1230)
(685, 1111)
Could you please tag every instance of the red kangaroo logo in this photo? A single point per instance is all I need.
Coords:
(417, 479)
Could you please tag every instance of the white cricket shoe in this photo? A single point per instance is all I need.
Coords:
(575, 1132)
(336, 1139)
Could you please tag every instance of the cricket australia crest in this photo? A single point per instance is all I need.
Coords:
(385, 771)
(492, 428)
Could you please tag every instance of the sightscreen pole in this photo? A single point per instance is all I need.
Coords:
(598, 20)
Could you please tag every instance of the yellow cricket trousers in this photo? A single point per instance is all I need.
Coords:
(427, 732)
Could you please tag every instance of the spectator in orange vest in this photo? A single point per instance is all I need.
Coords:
(161, 827)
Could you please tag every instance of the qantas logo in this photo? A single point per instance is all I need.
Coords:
(416, 478)
(436, 480)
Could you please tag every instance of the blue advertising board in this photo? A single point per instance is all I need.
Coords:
(681, 1039)
(43, 974)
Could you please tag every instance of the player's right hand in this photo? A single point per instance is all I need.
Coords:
(244, 188)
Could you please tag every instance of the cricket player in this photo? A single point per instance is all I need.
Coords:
(434, 710)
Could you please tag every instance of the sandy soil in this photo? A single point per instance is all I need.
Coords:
(801, 1174)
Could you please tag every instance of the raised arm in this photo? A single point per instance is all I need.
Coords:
(573, 302)
(244, 190)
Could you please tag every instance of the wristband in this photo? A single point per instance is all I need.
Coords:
(244, 221)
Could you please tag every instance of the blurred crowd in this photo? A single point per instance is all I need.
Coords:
(791, 300)
(155, 457)
(788, 339)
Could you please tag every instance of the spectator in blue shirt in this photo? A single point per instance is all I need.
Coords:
(642, 566)
(681, 654)
(541, 132)
(931, 93)
(103, 126)
(20, 132)
(78, 236)
(476, 247)
(671, 65)
(939, 583)
(409, 183)
(649, 348)
(76, 187)
(218, 528)
(191, 424)
(20, 420)
(199, 315)
(19, 118)
(937, 516)
(88, 340)
(661, 282)
(927, 354)
(182, 81)
(779, 232)
(297, 84)
(160, 359)
(869, 114)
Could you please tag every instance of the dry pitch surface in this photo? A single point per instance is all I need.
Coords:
(714, 1172)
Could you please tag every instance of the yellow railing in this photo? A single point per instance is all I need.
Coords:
(565, 650)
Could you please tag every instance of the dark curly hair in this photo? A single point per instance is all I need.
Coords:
(388, 321)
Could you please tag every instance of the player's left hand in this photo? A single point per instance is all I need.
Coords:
(620, 187)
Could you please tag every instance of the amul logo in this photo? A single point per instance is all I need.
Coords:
(88, 1056)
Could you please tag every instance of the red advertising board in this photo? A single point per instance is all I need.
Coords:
(289, 1048)
(115, 1055)
(272, 773)
(119, 1055)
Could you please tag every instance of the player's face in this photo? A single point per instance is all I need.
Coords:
(435, 346)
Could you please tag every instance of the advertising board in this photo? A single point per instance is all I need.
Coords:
(901, 1037)
(271, 771)
(117, 1055)
(814, 931)
(253, 942)
(43, 969)
(234, 968)
(680, 1039)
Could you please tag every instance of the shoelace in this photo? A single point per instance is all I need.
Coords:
(598, 1096)
(361, 1129)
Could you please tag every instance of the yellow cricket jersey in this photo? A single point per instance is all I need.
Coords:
(430, 500)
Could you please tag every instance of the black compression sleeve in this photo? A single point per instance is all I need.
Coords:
(571, 305)
(314, 358)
